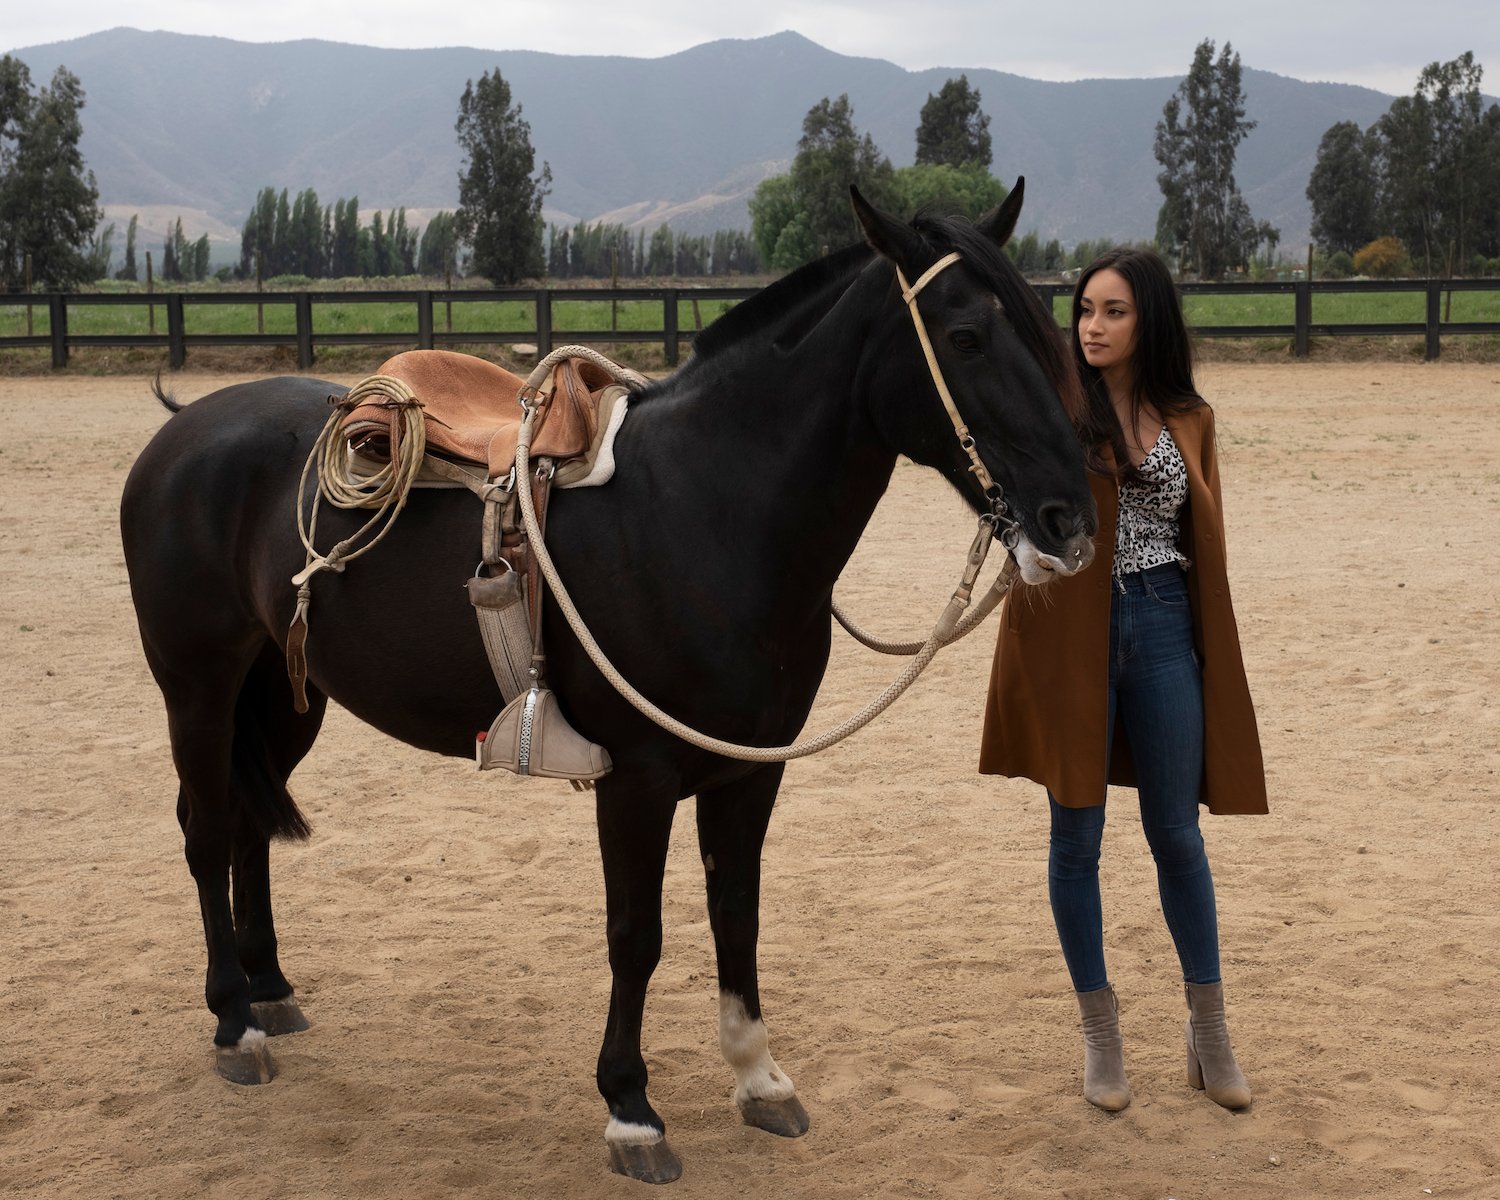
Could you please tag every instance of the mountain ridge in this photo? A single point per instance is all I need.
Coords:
(205, 122)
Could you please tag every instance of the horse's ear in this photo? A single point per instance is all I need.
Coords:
(887, 236)
(1000, 222)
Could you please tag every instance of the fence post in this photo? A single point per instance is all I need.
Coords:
(1434, 311)
(57, 315)
(424, 320)
(669, 327)
(304, 332)
(1302, 319)
(176, 346)
(543, 323)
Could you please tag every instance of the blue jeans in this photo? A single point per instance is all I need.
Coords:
(1156, 686)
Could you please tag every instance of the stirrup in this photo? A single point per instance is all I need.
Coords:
(532, 737)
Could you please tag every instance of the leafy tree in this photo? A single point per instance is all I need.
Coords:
(968, 190)
(1203, 214)
(806, 213)
(831, 155)
(257, 238)
(130, 270)
(660, 257)
(343, 255)
(1439, 156)
(49, 204)
(1384, 258)
(953, 132)
(499, 201)
(1343, 189)
(100, 252)
(437, 251)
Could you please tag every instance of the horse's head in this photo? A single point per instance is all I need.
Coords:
(970, 326)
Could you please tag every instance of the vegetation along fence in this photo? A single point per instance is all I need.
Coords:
(545, 317)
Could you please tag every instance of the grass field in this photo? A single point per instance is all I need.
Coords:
(515, 320)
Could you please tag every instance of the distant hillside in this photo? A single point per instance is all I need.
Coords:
(203, 123)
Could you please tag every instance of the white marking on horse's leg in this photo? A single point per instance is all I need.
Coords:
(251, 1039)
(631, 1133)
(746, 1049)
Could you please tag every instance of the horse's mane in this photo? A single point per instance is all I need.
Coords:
(793, 304)
(1028, 316)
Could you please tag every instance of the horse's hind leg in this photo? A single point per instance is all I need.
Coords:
(271, 738)
(201, 681)
(732, 823)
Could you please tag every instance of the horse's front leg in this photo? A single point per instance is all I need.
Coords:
(732, 823)
(635, 825)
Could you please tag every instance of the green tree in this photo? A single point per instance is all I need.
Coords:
(967, 190)
(1384, 258)
(798, 216)
(499, 199)
(437, 251)
(831, 154)
(130, 270)
(661, 255)
(1439, 162)
(953, 131)
(49, 204)
(1343, 189)
(1203, 216)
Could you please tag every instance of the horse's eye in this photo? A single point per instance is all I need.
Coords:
(966, 340)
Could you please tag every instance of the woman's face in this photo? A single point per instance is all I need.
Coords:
(1106, 320)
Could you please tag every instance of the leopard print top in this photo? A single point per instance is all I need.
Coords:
(1147, 533)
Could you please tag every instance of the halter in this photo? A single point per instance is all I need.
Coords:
(909, 293)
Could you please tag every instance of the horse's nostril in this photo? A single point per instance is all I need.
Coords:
(1057, 520)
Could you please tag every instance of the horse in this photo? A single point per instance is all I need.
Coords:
(705, 569)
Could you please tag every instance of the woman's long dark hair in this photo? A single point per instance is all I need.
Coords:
(1162, 359)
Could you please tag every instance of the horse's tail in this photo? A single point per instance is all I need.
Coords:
(169, 402)
(269, 739)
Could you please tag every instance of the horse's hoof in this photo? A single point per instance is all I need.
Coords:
(651, 1163)
(247, 1062)
(784, 1118)
(277, 1017)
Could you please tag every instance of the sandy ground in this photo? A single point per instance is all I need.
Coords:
(445, 929)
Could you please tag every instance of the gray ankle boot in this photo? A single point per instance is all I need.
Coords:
(1104, 1082)
(1210, 1061)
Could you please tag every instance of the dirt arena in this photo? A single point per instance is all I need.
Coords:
(445, 930)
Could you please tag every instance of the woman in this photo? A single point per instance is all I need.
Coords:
(1131, 673)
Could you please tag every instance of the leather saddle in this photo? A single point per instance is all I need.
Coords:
(472, 414)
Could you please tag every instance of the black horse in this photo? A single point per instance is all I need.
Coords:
(705, 570)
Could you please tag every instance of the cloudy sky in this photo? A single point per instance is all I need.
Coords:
(1379, 43)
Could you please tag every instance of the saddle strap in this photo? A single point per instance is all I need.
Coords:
(500, 606)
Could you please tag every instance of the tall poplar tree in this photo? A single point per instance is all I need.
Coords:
(1203, 217)
(500, 192)
(953, 130)
(1343, 190)
(49, 203)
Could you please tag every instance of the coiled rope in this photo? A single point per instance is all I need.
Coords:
(386, 490)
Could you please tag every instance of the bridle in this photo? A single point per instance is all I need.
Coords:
(1005, 525)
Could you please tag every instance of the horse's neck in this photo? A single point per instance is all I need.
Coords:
(785, 450)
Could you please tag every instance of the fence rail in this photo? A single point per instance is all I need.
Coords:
(544, 333)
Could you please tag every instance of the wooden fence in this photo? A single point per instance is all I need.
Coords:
(178, 338)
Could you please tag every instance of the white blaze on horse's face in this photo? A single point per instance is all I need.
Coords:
(1037, 567)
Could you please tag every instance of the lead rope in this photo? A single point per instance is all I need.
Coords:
(942, 633)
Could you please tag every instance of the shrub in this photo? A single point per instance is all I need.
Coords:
(1339, 265)
(1384, 258)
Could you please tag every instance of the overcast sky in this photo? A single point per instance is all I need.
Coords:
(1379, 43)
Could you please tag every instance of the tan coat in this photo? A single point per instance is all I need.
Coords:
(1048, 699)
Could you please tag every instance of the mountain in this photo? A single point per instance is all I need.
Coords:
(199, 125)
